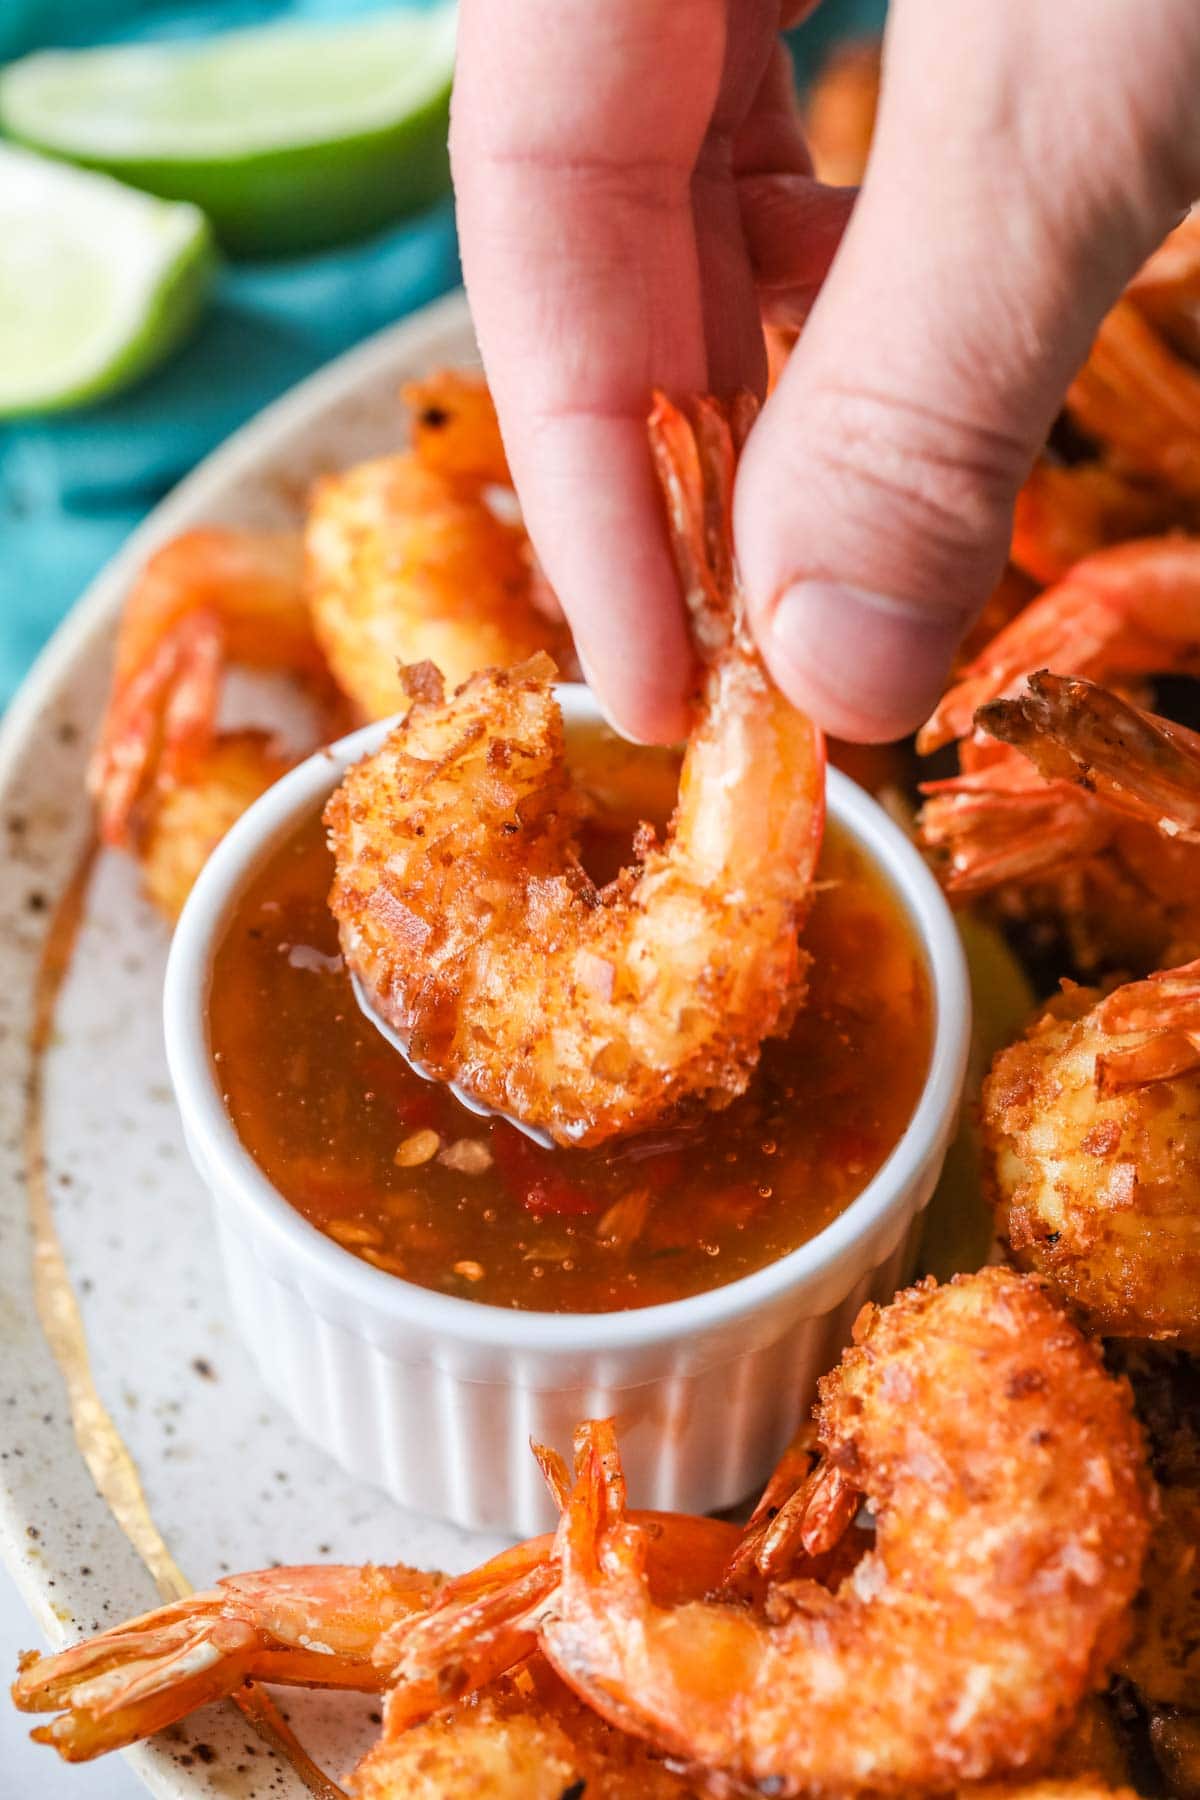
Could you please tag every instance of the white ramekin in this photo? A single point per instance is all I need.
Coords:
(435, 1398)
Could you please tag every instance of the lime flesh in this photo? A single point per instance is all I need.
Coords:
(97, 282)
(290, 138)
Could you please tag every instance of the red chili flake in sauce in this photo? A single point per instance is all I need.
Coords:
(535, 1183)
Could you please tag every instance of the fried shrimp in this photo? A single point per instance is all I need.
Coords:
(525, 1738)
(166, 781)
(1091, 1135)
(412, 557)
(477, 936)
(1141, 401)
(1007, 1477)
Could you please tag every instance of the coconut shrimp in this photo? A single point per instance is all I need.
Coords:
(420, 556)
(1006, 1473)
(529, 1738)
(166, 782)
(478, 937)
(1091, 1135)
(525, 1738)
(1078, 806)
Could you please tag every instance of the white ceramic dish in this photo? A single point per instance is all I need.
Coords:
(435, 1398)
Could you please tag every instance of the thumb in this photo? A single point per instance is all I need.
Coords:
(874, 499)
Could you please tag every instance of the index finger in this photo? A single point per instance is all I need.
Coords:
(575, 133)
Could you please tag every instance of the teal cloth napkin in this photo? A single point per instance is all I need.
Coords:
(72, 487)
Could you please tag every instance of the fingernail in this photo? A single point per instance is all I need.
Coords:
(622, 728)
(867, 666)
(597, 694)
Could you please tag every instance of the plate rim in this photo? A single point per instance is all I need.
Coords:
(415, 338)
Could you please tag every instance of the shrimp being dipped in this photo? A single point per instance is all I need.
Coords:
(411, 559)
(1006, 1474)
(1091, 1135)
(477, 936)
(166, 782)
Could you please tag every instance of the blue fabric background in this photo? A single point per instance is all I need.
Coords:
(72, 487)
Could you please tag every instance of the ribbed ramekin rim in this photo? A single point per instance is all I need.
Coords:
(844, 1245)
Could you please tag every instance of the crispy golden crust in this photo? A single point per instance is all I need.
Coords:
(404, 566)
(463, 909)
(1007, 1476)
(188, 820)
(526, 1738)
(411, 557)
(1099, 1194)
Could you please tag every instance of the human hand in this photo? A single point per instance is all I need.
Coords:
(632, 184)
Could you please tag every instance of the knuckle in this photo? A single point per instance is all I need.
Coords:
(928, 489)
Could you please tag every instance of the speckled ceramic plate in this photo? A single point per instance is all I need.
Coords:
(91, 1153)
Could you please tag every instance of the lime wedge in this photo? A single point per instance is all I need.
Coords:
(289, 137)
(97, 282)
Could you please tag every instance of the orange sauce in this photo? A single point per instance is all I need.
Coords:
(395, 1170)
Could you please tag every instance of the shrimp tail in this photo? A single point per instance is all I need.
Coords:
(162, 718)
(1001, 823)
(306, 1627)
(1165, 1007)
(799, 1524)
(1072, 730)
(462, 1644)
(695, 459)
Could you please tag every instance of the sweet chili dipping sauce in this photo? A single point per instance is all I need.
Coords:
(396, 1171)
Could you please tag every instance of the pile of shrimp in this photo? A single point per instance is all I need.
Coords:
(960, 1638)
(412, 555)
(1073, 809)
(1074, 820)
